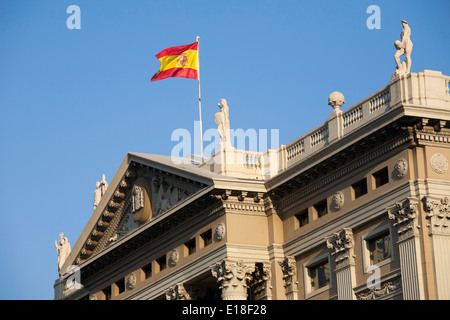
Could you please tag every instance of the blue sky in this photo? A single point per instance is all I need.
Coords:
(74, 102)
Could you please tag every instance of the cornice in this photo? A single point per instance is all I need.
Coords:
(340, 165)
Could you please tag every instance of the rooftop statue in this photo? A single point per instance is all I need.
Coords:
(62, 249)
(222, 120)
(404, 47)
(100, 190)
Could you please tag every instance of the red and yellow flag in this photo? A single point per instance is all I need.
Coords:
(181, 62)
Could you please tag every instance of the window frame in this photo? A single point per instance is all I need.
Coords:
(366, 250)
(325, 257)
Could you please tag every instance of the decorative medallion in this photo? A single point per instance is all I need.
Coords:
(439, 163)
(131, 281)
(400, 168)
(337, 201)
(220, 232)
(173, 257)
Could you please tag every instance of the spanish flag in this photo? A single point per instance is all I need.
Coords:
(181, 62)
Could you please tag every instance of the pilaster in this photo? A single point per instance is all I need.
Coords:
(289, 268)
(404, 216)
(342, 248)
(438, 213)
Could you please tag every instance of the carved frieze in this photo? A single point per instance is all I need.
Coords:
(383, 290)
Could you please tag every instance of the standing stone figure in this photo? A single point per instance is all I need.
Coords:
(62, 249)
(97, 194)
(100, 190)
(222, 120)
(103, 185)
(404, 47)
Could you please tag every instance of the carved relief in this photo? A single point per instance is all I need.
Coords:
(219, 233)
(289, 269)
(438, 212)
(384, 289)
(173, 257)
(131, 281)
(260, 284)
(137, 199)
(439, 163)
(400, 168)
(166, 194)
(177, 292)
(233, 277)
(341, 245)
(337, 201)
(404, 215)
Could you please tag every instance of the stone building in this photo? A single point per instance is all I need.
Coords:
(357, 208)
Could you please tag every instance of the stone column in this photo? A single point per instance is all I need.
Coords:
(289, 268)
(342, 248)
(438, 213)
(233, 277)
(404, 216)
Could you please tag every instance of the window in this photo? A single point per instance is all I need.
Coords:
(321, 209)
(317, 275)
(189, 247)
(106, 293)
(359, 188)
(381, 177)
(161, 262)
(379, 248)
(302, 219)
(206, 238)
(119, 286)
(147, 271)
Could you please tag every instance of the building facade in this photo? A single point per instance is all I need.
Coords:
(357, 208)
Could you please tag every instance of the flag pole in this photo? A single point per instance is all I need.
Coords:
(199, 96)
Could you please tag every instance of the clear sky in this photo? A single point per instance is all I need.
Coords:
(73, 102)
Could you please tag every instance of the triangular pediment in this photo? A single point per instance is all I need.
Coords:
(143, 189)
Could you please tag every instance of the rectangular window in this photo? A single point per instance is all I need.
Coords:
(381, 177)
(161, 262)
(379, 248)
(321, 209)
(359, 188)
(106, 293)
(147, 271)
(189, 247)
(302, 218)
(206, 238)
(319, 275)
(120, 286)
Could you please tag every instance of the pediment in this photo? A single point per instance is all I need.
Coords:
(142, 190)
